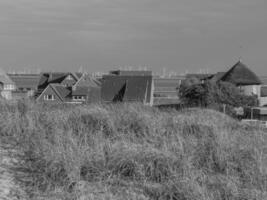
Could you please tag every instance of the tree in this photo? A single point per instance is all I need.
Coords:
(209, 94)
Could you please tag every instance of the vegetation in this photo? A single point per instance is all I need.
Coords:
(129, 151)
(212, 94)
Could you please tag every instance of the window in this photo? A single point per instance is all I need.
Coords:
(78, 98)
(9, 87)
(264, 91)
(49, 97)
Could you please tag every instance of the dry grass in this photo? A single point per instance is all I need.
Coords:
(129, 151)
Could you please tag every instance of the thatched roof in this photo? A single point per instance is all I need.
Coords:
(240, 74)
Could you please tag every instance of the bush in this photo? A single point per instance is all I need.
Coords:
(211, 94)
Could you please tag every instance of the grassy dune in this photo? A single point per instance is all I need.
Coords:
(133, 152)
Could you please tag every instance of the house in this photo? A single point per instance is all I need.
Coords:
(87, 89)
(128, 86)
(256, 113)
(166, 90)
(247, 81)
(67, 79)
(241, 75)
(26, 84)
(6, 86)
(55, 93)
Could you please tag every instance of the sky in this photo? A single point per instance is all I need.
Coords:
(102, 35)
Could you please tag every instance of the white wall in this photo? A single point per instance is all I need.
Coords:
(256, 90)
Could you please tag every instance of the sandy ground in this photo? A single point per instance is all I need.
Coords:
(9, 190)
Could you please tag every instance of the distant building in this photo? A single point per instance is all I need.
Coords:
(128, 86)
(85, 90)
(55, 93)
(6, 86)
(166, 90)
(26, 84)
(131, 73)
(246, 80)
(64, 78)
(241, 75)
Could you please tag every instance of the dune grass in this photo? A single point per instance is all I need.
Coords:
(129, 151)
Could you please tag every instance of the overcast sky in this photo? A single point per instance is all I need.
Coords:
(101, 35)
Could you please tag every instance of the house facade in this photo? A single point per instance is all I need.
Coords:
(26, 85)
(165, 91)
(7, 86)
(87, 89)
(55, 93)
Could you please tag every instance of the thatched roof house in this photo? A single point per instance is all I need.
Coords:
(241, 75)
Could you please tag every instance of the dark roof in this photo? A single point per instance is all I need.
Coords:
(126, 88)
(132, 72)
(218, 76)
(55, 77)
(240, 74)
(47, 78)
(62, 91)
(25, 80)
(80, 91)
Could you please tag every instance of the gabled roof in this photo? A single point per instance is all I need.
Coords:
(240, 74)
(87, 80)
(25, 80)
(77, 75)
(62, 91)
(55, 77)
(126, 88)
